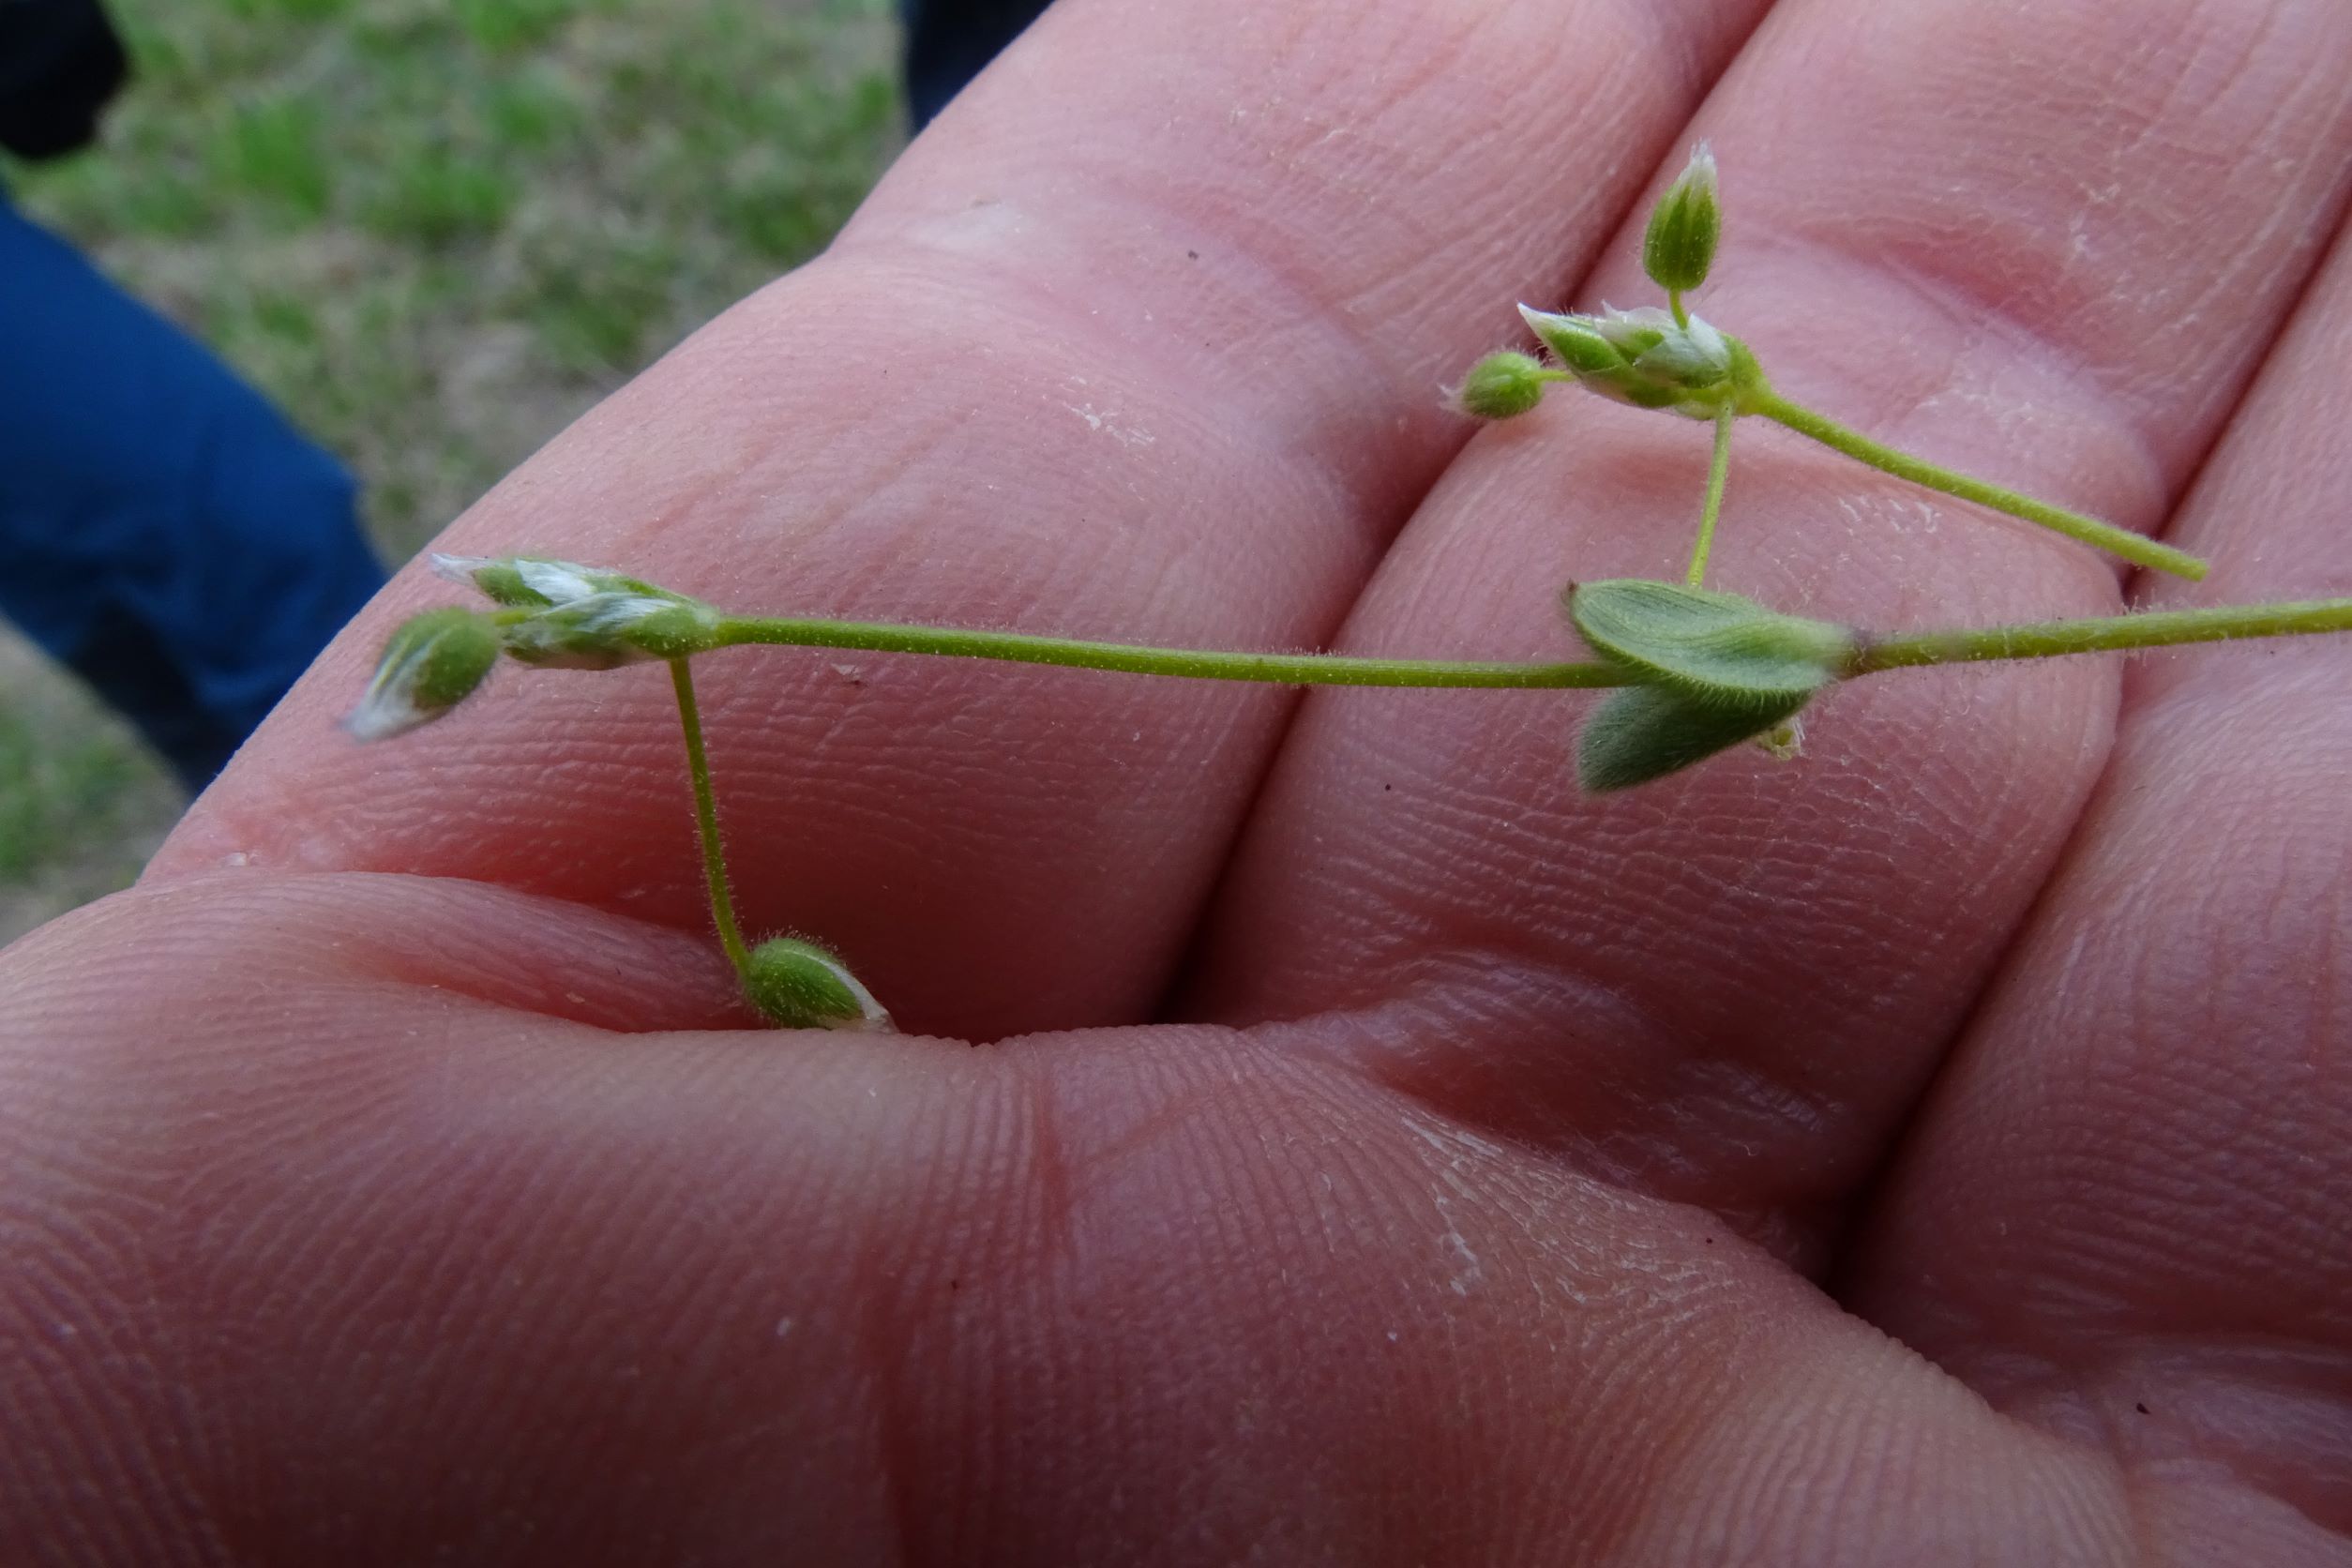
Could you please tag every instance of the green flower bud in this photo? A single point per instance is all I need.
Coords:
(1500, 386)
(534, 581)
(1647, 358)
(1680, 246)
(605, 630)
(798, 985)
(586, 617)
(431, 663)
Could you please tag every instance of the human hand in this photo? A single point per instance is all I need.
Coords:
(1380, 1151)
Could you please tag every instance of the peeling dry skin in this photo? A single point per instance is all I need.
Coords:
(1934, 1152)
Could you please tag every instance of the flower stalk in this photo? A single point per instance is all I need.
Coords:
(883, 636)
(1718, 469)
(706, 821)
(2136, 631)
(2135, 547)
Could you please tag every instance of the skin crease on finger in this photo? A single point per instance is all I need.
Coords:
(2124, 1215)
(358, 1216)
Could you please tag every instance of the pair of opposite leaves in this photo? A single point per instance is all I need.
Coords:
(1705, 671)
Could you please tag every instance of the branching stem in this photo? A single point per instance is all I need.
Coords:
(1908, 650)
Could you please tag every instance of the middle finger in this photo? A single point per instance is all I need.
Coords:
(1996, 238)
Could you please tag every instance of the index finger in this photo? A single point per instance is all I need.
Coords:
(1142, 341)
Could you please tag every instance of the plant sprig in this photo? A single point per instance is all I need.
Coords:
(1674, 360)
(1690, 672)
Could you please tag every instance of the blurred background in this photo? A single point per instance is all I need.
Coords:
(431, 232)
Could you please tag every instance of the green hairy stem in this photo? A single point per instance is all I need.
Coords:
(2134, 547)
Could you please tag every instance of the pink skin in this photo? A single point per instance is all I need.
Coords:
(1379, 1152)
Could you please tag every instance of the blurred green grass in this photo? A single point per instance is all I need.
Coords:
(435, 232)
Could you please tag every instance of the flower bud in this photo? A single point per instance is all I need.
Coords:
(1500, 387)
(605, 630)
(1646, 358)
(585, 617)
(433, 662)
(534, 582)
(798, 985)
(1680, 246)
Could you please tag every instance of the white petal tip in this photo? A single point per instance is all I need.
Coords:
(380, 722)
(457, 569)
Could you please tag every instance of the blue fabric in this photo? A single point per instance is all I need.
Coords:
(951, 41)
(162, 529)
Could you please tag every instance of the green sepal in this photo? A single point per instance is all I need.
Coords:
(680, 630)
(501, 583)
(1643, 733)
(1642, 396)
(1577, 340)
(1746, 383)
(1716, 651)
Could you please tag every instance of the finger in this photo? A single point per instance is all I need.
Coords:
(1142, 342)
(2124, 1215)
(392, 1275)
(1726, 986)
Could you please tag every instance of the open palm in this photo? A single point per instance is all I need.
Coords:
(1373, 1150)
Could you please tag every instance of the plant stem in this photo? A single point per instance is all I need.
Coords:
(706, 821)
(1681, 311)
(2074, 525)
(1198, 664)
(1908, 650)
(1718, 468)
(2105, 634)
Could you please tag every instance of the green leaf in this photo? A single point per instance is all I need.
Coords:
(1716, 651)
(1646, 731)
